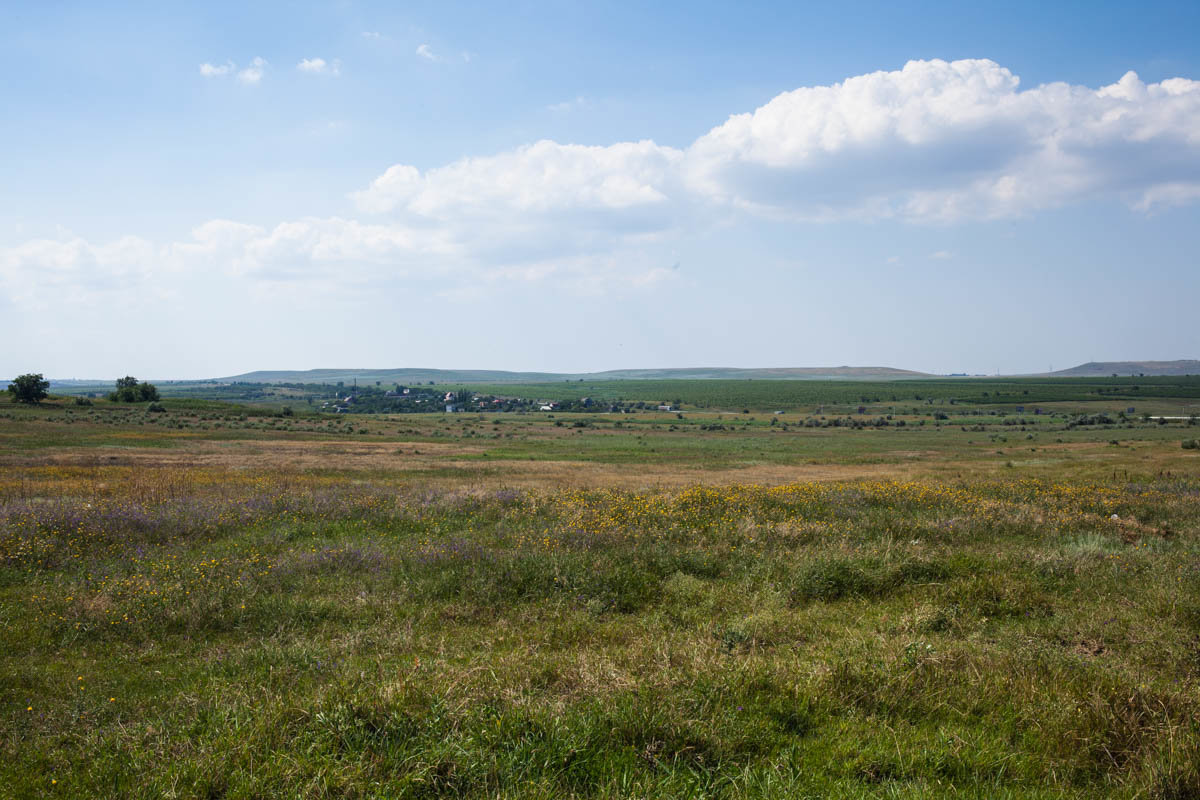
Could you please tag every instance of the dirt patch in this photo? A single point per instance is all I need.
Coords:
(1089, 648)
(448, 465)
(302, 455)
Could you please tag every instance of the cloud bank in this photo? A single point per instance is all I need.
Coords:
(935, 142)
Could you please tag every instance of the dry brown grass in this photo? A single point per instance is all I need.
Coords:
(457, 465)
(448, 469)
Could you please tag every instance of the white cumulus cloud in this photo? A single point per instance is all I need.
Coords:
(943, 140)
(217, 70)
(253, 73)
(426, 52)
(540, 200)
(544, 177)
(319, 66)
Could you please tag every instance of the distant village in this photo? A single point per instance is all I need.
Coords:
(417, 399)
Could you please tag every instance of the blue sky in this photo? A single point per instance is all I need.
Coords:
(196, 191)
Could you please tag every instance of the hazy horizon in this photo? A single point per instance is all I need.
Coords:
(223, 376)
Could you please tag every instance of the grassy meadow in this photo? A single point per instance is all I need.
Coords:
(220, 602)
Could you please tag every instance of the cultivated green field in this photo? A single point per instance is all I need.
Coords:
(218, 601)
(793, 395)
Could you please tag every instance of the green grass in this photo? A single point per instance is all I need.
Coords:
(260, 636)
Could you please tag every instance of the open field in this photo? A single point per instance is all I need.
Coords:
(218, 602)
(847, 394)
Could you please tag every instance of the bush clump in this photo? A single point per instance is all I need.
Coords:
(131, 390)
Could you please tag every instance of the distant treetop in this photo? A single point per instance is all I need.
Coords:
(130, 390)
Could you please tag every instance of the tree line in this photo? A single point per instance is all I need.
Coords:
(33, 388)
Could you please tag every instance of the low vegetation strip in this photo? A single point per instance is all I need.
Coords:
(219, 633)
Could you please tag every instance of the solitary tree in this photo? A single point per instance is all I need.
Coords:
(31, 388)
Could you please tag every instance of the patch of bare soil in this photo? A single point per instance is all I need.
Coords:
(1090, 648)
(448, 464)
(258, 454)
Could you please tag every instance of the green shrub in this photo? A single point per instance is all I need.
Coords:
(131, 390)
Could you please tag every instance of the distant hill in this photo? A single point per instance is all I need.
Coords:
(402, 376)
(1104, 369)
(765, 373)
(417, 375)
